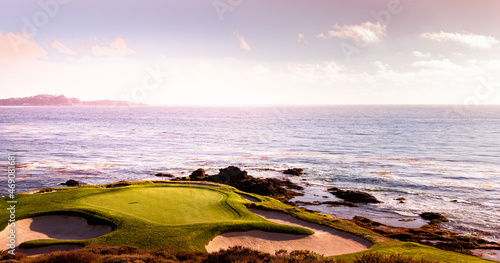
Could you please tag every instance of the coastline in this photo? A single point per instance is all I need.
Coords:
(80, 144)
(399, 229)
(262, 203)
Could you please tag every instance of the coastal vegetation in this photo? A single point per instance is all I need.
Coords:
(110, 254)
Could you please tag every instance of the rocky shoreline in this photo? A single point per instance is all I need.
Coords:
(284, 190)
(430, 234)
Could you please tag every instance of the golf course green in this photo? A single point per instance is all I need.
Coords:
(145, 214)
(180, 216)
(167, 205)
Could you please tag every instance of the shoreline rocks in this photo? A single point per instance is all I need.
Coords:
(434, 217)
(294, 171)
(164, 175)
(353, 196)
(430, 234)
(71, 182)
(234, 176)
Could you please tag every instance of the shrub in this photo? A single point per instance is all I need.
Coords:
(76, 256)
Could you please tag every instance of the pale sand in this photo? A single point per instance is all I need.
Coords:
(51, 227)
(325, 240)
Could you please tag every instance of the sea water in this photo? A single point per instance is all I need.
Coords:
(438, 158)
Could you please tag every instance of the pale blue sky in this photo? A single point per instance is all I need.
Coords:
(261, 52)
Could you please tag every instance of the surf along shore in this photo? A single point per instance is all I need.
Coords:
(196, 214)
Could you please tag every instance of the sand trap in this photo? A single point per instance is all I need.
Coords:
(249, 198)
(325, 240)
(52, 227)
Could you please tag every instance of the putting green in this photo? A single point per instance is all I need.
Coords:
(166, 205)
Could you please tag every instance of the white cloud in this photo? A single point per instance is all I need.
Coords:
(419, 54)
(444, 64)
(61, 48)
(15, 46)
(302, 39)
(243, 44)
(381, 66)
(366, 32)
(471, 40)
(115, 49)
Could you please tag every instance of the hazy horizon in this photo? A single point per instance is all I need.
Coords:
(464, 106)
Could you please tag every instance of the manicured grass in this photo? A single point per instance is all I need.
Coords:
(186, 217)
(417, 251)
(167, 205)
(182, 217)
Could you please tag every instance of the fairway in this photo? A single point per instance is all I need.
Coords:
(166, 205)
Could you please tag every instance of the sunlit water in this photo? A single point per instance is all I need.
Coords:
(437, 159)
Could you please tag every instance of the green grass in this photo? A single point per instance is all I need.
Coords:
(182, 217)
(417, 251)
(186, 217)
(167, 206)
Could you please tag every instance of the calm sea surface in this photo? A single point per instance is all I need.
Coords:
(438, 159)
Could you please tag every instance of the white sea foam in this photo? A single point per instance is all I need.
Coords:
(437, 163)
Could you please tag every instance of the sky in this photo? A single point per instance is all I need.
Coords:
(253, 52)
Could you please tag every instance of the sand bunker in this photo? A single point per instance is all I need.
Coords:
(52, 227)
(249, 198)
(325, 240)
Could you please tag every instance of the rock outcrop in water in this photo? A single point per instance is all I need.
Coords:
(164, 175)
(197, 175)
(71, 182)
(294, 171)
(434, 217)
(234, 176)
(353, 196)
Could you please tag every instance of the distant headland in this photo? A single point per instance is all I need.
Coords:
(61, 100)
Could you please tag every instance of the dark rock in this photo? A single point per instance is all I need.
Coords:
(434, 217)
(365, 222)
(234, 176)
(71, 182)
(231, 173)
(429, 234)
(294, 171)
(401, 200)
(353, 196)
(401, 236)
(163, 175)
(197, 175)
(341, 203)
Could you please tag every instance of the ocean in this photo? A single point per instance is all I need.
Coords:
(438, 158)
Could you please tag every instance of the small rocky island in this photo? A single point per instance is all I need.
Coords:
(61, 100)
